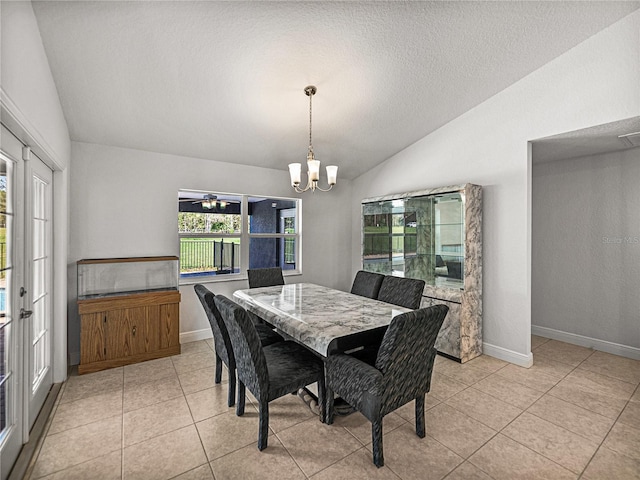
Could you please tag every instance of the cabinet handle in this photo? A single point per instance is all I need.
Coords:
(134, 331)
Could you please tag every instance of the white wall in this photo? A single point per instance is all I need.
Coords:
(586, 250)
(28, 89)
(124, 203)
(596, 82)
(31, 109)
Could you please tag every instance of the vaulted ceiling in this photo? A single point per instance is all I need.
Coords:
(224, 80)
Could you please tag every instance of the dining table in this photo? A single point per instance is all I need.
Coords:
(323, 319)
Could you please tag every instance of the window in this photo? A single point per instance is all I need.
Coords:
(225, 234)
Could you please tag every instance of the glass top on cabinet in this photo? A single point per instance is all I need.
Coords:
(121, 276)
(418, 236)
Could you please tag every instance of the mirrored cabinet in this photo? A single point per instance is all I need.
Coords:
(434, 235)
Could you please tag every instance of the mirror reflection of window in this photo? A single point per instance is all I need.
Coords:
(418, 237)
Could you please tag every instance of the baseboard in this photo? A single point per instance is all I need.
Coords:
(24, 464)
(195, 335)
(596, 344)
(507, 355)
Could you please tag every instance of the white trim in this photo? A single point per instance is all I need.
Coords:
(596, 344)
(195, 335)
(20, 125)
(507, 355)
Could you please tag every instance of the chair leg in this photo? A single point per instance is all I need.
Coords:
(218, 369)
(241, 399)
(420, 427)
(232, 387)
(263, 432)
(328, 405)
(376, 436)
(322, 400)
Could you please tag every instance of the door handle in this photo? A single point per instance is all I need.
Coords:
(25, 313)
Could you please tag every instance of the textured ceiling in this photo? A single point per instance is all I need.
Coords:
(225, 80)
(589, 141)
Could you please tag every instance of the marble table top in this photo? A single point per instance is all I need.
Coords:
(316, 316)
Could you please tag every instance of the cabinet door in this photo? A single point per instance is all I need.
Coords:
(169, 324)
(128, 332)
(448, 340)
(92, 337)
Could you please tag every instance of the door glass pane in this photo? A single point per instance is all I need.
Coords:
(40, 296)
(6, 367)
(448, 227)
(5, 333)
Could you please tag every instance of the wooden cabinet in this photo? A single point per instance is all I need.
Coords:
(124, 329)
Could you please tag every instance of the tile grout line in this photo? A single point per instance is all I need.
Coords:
(544, 419)
(609, 432)
(291, 456)
(208, 463)
(601, 444)
(45, 433)
(546, 394)
(204, 450)
(500, 431)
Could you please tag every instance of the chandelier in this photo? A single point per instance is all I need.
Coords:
(313, 165)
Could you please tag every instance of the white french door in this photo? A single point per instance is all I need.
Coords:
(11, 275)
(25, 295)
(38, 276)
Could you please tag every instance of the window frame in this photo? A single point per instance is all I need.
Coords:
(245, 237)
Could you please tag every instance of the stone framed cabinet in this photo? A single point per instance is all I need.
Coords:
(434, 235)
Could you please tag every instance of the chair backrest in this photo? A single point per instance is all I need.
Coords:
(454, 270)
(367, 284)
(404, 292)
(265, 277)
(407, 354)
(251, 364)
(221, 338)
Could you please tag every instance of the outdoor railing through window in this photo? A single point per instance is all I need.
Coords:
(199, 255)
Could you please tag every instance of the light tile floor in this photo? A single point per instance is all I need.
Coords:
(574, 414)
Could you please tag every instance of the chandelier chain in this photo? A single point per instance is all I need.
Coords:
(310, 143)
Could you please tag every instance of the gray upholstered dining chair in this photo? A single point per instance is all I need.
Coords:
(271, 371)
(367, 284)
(265, 277)
(402, 373)
(222, 342)
(404, 292)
